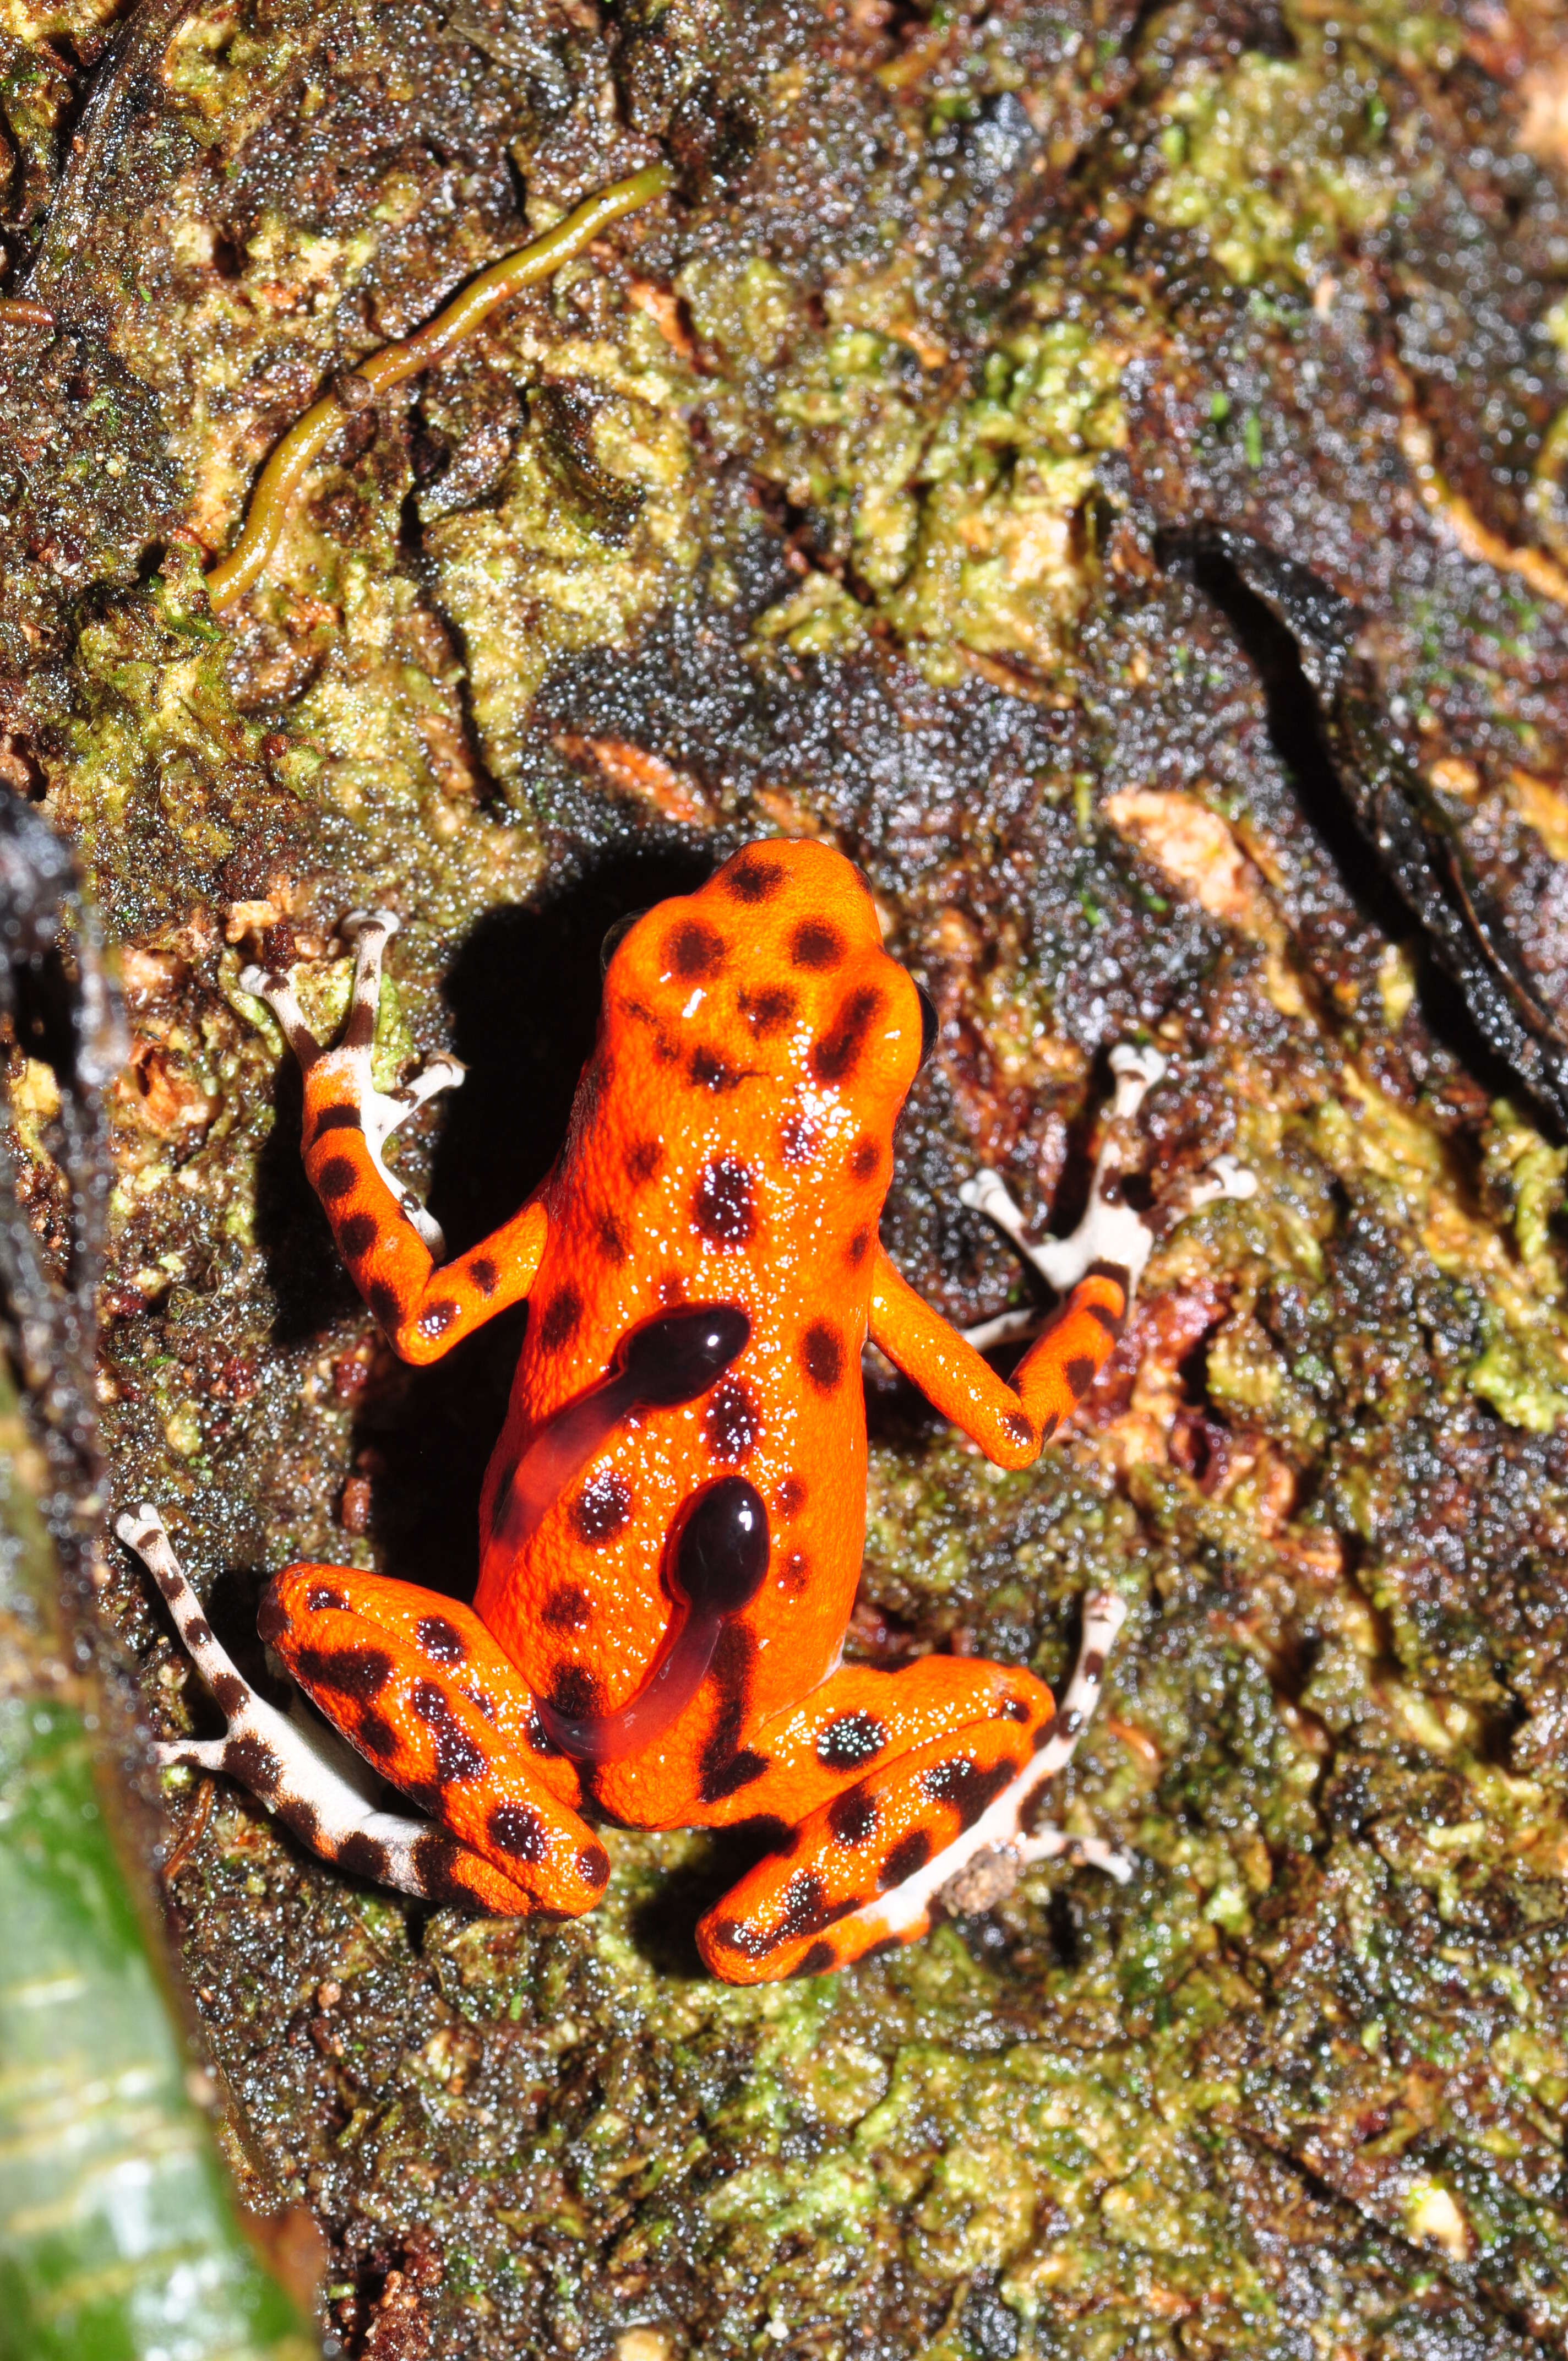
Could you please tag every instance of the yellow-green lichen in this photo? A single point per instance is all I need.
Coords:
(1004, 557)
(963, 528)
(1523, 1304)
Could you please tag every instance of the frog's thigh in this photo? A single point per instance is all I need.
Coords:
(889, 1770)
(417, 1685)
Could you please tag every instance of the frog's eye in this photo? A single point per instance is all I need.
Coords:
(615, 935)
(930, 1023)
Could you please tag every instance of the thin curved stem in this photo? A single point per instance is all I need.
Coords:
(280, 478)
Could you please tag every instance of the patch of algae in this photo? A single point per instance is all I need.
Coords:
(161, 767)
(1278, 162)
(77, 20)
(1504, 1295)
(1523, 1314)
(1077, 2185)
(961, 528)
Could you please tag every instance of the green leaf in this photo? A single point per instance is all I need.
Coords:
(118, 2236)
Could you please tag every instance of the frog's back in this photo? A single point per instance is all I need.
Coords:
(731, 1142)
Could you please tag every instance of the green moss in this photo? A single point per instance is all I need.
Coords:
(1529, 1174)
(156, 746)
(1275, 162)
(998, 563)
(965, 529)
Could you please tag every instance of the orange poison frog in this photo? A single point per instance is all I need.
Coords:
(672, 1521)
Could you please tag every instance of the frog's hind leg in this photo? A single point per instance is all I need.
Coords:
(303, 1775)
(941, 1826)
(419, 1687)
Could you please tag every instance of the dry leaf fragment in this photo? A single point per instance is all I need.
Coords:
(162, 1094)
(674, 794)
(1194, 848)
(665, 309)
(1543, 807)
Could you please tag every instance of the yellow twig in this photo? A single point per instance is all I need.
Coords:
(280, 478)
(1545, 577)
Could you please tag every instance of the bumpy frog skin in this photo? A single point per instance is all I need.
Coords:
(673, 1521)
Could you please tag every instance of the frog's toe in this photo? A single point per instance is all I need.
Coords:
(381, 1112)
(1226, 1177)
(264, 984)
(443, 1073)
(370, 931)
(357, 922)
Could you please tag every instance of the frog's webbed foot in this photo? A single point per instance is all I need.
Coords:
(994, 1865)
(380, 1112)
(998, 1835)
(985, 1864)
(304, 1775)
(1110, 1231)
(992, 1874)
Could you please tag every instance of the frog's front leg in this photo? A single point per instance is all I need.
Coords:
(421, 1690)
(1101, 1263)
(386, 1237)
(935, 1770)
(1111, 1235)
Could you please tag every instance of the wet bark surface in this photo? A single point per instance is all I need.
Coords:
(860, 489)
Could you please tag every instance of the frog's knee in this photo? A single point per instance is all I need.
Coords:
(780, 1923)
(413, 1703)
(295, 1601)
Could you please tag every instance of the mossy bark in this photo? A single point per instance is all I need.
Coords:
(854, 493)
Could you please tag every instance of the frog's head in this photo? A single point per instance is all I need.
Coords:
(775, 968)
